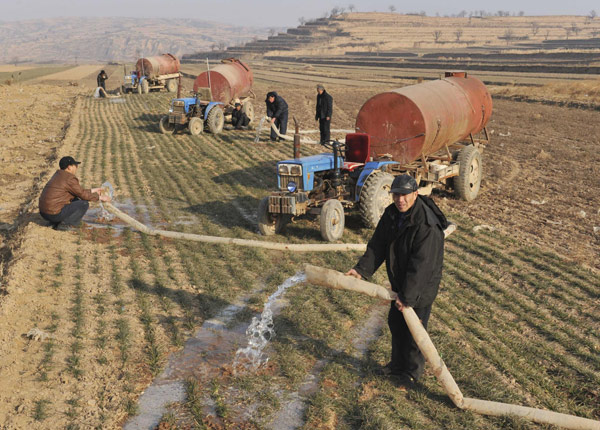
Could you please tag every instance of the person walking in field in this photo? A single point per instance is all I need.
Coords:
(277, 111)
(324, 112)
(410, 239)
(63, 202)
(239, 119)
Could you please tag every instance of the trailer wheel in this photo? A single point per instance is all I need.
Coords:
(195, 126)
(270, 224)
(468, 181)
(375, 197)
(139, 89)
(215, 120)
(145, 87)
(171, 85)
(332, 220)
(164, 126)
(248, 109)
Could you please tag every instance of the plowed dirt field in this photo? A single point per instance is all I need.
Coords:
(517, 319)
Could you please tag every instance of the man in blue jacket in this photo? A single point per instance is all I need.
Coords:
(410, 239)
(277, 110)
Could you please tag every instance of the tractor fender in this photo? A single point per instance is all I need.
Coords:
(209, 107)
(369, 168)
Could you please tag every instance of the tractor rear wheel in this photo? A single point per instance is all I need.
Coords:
(332, 220)
(195, 126)
(164, 125)
(468, 181)
(270, 224)
(171, 85)
(248, 109)
(145, 86)
(139, 89)
(215, 120)
(375, 197)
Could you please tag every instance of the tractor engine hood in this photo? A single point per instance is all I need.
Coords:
(299, 173)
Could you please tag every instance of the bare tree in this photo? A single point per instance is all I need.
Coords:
(568, 32)
(392, 8)
(458, 33)
(15, 60)
(301, 20)
(509, 35)
(271, 32)
(221, 45)
(334, 12)
(593, 14)
(521, 13)
(546, 34)
(462, 14)
(436, 35)
(351, 7)
(575, 29)
(535, 27)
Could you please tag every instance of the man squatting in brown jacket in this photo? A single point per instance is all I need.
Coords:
(63, 201)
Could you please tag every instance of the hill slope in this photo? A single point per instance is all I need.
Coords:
(112, 39)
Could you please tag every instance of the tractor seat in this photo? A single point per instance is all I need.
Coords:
(358, 146)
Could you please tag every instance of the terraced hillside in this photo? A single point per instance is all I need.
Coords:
(516, 321)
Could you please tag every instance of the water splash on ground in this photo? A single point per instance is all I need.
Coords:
(108, 189)
(259, 129)
(261, 331)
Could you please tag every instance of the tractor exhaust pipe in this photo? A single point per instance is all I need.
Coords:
(296, 138)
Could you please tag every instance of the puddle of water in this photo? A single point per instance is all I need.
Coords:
(261, 331)
(153, 405)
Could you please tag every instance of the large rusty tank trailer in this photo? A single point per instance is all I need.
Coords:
(215, 93)
(152, 74)
(434, 131)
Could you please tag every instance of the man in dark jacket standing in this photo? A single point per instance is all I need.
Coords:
(101, 79)
(410, 238)
(277, 110)
(63, 201)
(324, 112)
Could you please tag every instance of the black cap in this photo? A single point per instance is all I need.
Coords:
(67, 161)
(238, 104)
(271, 94)
(404, 184)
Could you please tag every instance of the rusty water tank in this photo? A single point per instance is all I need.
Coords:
(229, 80)
(421, 119)
(151, 67)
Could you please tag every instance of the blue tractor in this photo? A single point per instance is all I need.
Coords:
(326, 184)
(196, 113)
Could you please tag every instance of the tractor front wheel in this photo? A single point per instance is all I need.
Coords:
(270, 224)
(215, 120)
(375, 197)
(195, 126)
(164, 126)
(332, 220)
(468, 181)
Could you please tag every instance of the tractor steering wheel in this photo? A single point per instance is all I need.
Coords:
(331, 143)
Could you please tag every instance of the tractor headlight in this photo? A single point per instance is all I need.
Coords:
(291, 186)
(296, 170)
(283, 169)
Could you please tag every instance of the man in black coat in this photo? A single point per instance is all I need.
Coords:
(410, 238)
(101, 79)
(277, 110)
(324, 112)
(239, 119)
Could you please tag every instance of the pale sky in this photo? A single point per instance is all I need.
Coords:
(273, 13)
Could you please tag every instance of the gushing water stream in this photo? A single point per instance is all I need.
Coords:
(261, 331)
